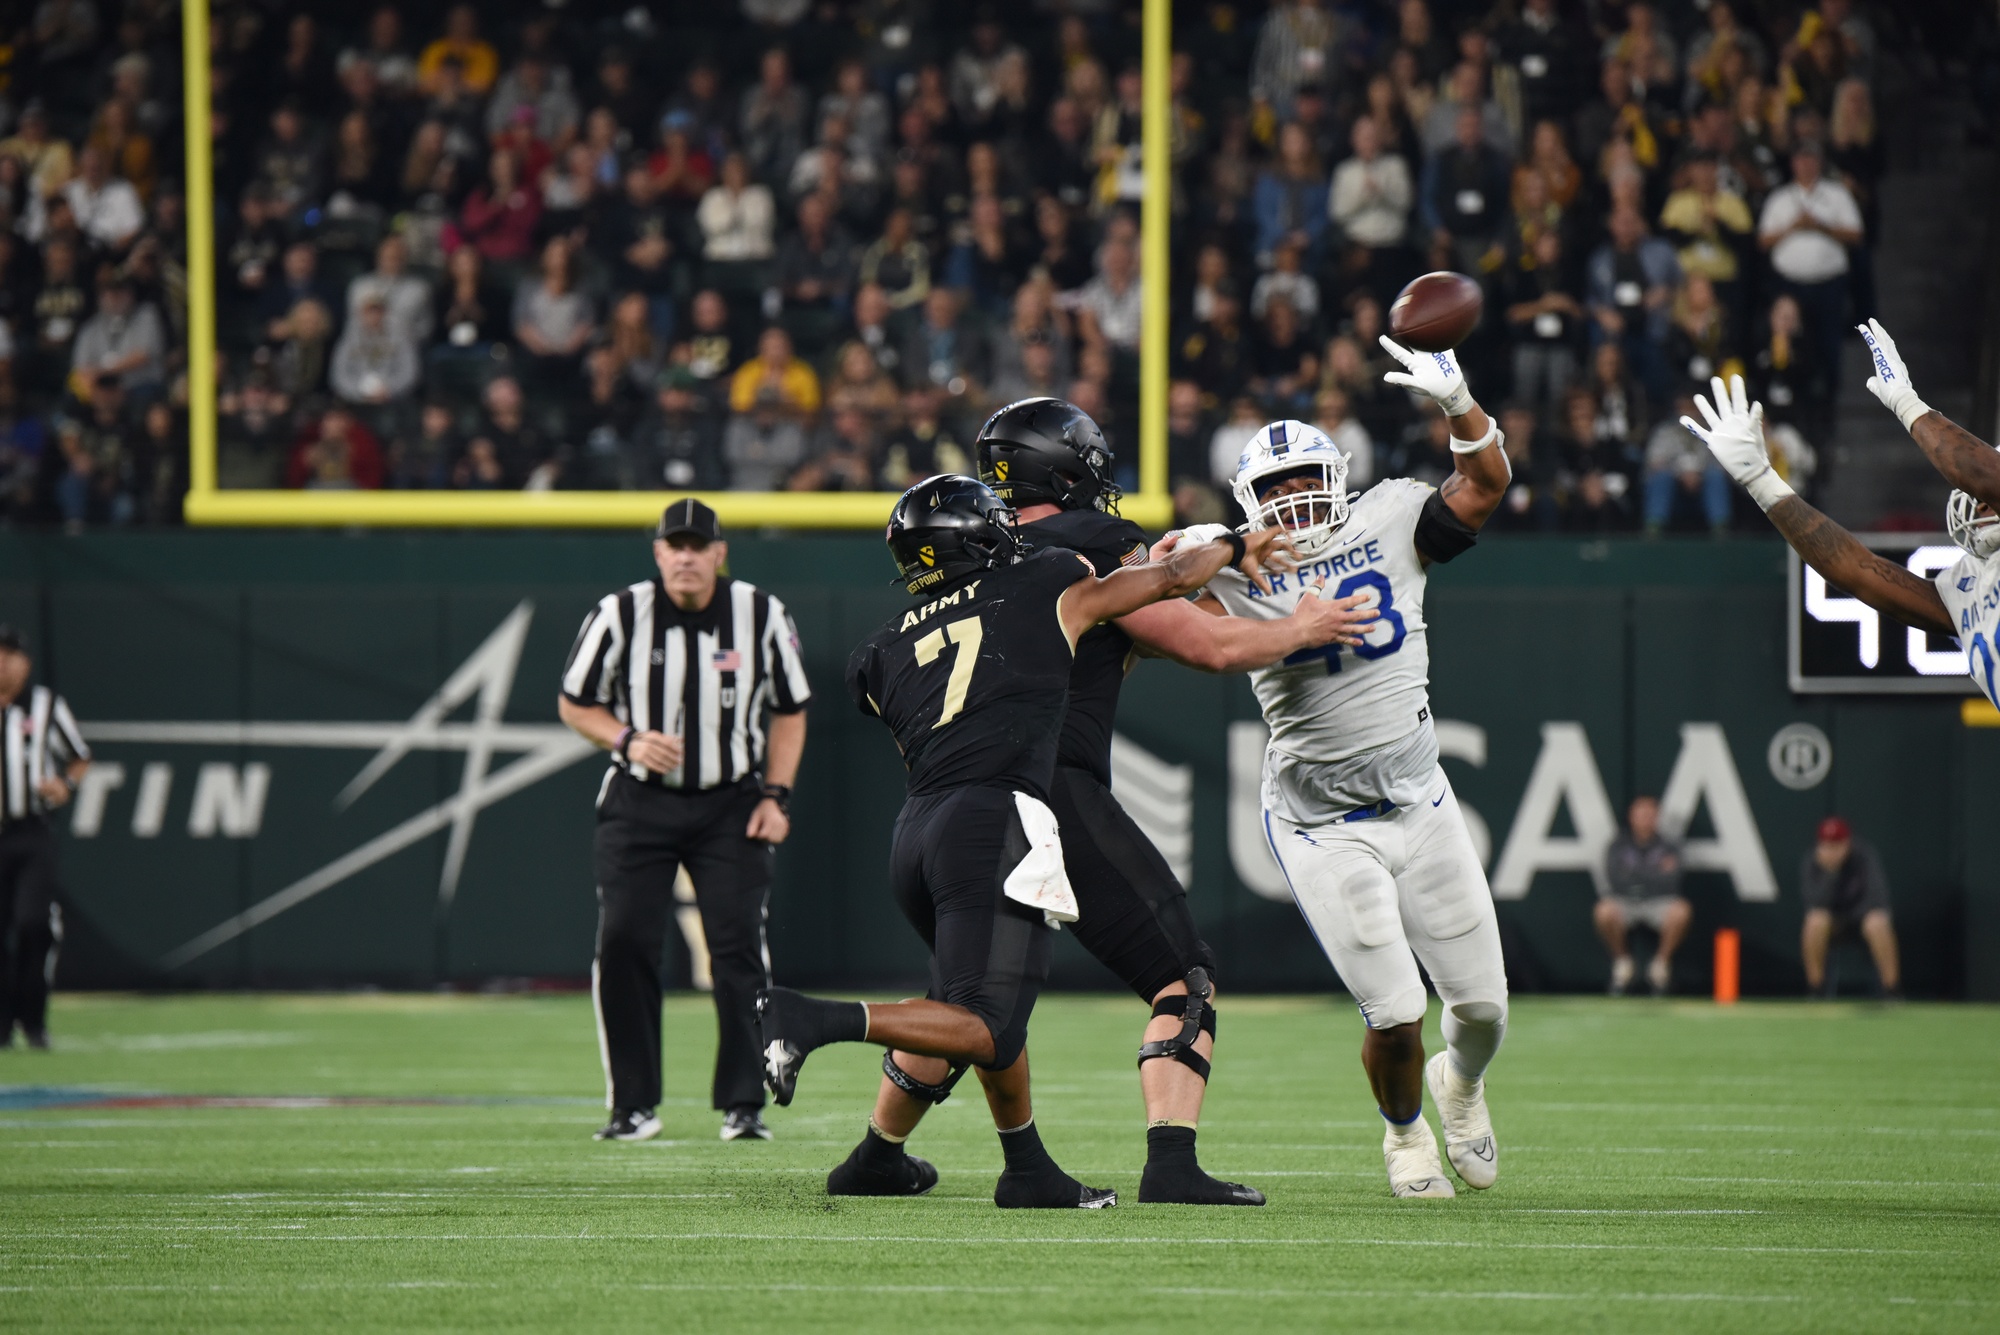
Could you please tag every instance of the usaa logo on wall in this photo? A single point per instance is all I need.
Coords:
(229, 800)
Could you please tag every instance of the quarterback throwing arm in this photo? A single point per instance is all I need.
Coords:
(1963, 602)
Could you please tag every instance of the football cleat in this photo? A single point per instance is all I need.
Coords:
(1411, 1155)
(745, 1124)
(1468, 1130)
(1052, 1189)
(782, 1058)
(1165, 1185)
(910, 1176)
(630, 1124)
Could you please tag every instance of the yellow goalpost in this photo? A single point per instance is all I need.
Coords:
(1151, 507)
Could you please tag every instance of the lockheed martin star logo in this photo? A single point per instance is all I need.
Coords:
(485, 680)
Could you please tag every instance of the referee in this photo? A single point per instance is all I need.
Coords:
(695, 684)
(42, 756)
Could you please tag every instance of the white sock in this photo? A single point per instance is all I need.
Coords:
(1404, 1130)
(1472, 1034)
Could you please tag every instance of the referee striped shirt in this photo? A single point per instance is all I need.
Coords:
(709, 677)
(38, 740)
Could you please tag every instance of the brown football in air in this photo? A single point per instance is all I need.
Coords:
(1435, 312)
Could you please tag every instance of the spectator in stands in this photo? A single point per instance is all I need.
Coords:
(1108, 308)
(1845, 894)
(105, 207)
(1287, 282)
(47, 161)
(1466, 92)
(125, 340)
(474, 59)
(773, 119)
(1284, 367)
(927, 444)
(1464, 196)
(775, 380)
(1711, 226)
(1334, 414)
(421, 460)
(1633, 276)
(553, 320)
(336, 452)
(858, 384)
(845, 459)
(1807, 229)
(736, 218)
(1642, 887)
(1700, 342)
(1545, 321)
(405, 296)
(865, 111)
(500, 215)
(290, 164)
(898, 264)
(678, 443)
(1783, 373)
(1680, 480)
(506, 451)
(815, 272)
(1301, 43)
(1290, 198)
(948, 348)
(1372, 196)
(375, 364)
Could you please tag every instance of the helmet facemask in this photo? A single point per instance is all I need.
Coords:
(1308, 516)
(1978, 535)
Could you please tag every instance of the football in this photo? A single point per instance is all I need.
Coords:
(1435, 312)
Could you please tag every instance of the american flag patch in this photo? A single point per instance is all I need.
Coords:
(1135, 557)
(727, 661)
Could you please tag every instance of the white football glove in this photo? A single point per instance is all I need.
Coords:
(1735, 436)
(1432, 374)
(1891, 381)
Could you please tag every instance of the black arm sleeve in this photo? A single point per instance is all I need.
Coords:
(1441, 535)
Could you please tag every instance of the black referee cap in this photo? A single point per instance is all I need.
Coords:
(689, 516)
(10, 639)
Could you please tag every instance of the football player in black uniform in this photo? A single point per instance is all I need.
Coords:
(1049, 460)
(973, 680)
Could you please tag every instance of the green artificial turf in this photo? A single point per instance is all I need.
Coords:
(1664, 1167)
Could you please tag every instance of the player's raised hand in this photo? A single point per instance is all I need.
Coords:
(1891, 381)
(1335, 620)
(1435, 375)
(1734, 434)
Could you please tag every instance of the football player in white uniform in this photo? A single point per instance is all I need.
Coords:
(1962, 602)
(1358, 812)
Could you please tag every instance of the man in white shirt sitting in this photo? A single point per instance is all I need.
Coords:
(1807, 229)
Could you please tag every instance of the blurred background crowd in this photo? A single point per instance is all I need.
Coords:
(809, 244)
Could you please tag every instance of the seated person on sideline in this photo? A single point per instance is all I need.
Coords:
(1845, 892)
(1642, 875)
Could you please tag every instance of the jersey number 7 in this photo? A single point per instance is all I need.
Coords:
(965, 634)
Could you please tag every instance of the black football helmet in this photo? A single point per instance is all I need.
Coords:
(950, 526)
(1047, 451)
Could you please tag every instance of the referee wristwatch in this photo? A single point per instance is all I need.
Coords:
(780, 793)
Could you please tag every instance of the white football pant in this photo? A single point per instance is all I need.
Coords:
(1385, 893)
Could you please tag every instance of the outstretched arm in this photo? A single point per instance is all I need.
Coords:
(1966, 461)
(1734, 434)
(1190, 635)
(1187, 569)
(1480, 473)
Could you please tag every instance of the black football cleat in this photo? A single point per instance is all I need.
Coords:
(906, 1176)
(745, 1124)
(783, 1054)
(1169, 1185)
(1051, 1190)
(630, 1124)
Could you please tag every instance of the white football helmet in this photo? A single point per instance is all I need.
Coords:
(1289, 449)
(1976, 534)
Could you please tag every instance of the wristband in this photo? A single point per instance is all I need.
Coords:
(1767, 488)
(1475, 446)
(1909, 408)
(624, 740)
(780, 793)
(1236, 548)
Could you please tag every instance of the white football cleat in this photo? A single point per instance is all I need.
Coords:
(1468, 1130)
(1411, 1155)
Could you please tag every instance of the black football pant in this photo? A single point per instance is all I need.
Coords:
(30, 925)
(1134, 915)
(644, 836)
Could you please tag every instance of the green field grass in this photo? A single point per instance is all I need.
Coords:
(1664, 1166)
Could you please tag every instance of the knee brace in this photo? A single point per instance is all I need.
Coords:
(916, 1088)
(1196, 1016)
(1406, 1007)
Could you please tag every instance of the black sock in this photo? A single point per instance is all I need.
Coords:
(833, 1022)
(1023, 1150)
(1170, 1145)
(878, 1153)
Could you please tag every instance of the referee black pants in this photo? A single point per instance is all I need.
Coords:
(644, 836)
(30, 925)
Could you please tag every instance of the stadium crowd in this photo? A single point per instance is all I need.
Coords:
(808, 244)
